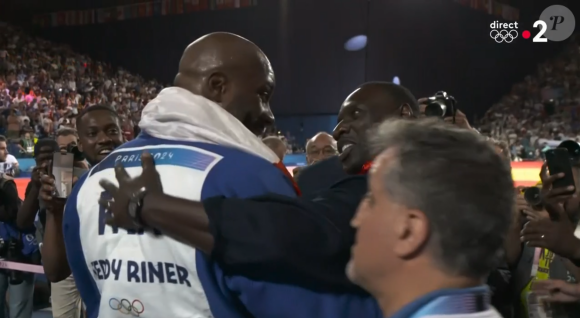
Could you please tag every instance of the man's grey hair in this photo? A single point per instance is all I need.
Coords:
(66, 131)
(459, 181)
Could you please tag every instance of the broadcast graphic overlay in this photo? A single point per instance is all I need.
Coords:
(556, 23)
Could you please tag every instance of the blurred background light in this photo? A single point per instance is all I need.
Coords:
(356, 43)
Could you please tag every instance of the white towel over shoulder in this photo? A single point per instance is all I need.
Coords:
(178, 114)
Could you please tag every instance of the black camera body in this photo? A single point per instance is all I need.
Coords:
(533, 197)
(11, 251)
(74, 149)
(573, 149)
(440, 105)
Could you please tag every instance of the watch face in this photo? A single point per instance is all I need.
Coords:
(132, 209)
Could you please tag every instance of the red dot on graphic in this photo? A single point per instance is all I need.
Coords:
(526, 34)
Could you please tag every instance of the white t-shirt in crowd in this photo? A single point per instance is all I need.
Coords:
(11, 160)
(9, 164)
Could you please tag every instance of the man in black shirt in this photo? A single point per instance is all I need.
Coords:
(32, 206)
(9, 201)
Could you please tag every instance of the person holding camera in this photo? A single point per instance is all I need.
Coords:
(99, 134)
(65, 304)
(549, 246)
(66, 300)
(21, 289)
(443, 105)
(21, 247)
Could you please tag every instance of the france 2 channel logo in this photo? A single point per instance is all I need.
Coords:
(556, 23)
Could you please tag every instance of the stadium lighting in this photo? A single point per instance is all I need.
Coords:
(356, 43)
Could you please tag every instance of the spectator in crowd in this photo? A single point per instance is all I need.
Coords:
(8, 163)
(13, 129)
(320, 147)
(540, 111)
(429, 236)
(26, 145)
(66, 137)
(20, 290)
(43, 86)
(32, 206)
(323, 164)
(551, 250)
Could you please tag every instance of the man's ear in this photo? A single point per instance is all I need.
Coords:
(216, 86)
(406, 111)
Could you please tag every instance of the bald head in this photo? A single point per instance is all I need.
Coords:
(277, 145)
(233, 72)
(224, 52)
(368, 105)
(320, 147)
(389, 96)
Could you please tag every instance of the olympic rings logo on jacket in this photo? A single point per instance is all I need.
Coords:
(127, 307)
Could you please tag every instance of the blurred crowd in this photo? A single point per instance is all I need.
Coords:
(540, 111)
(43, 87)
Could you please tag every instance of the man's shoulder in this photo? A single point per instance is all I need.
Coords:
(148, 142)
(195, 155)
(321, 175)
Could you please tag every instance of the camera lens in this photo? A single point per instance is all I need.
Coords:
(435, 109)
(532, 196)
(573, 149)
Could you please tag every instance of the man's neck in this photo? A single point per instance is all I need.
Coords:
(399, 291)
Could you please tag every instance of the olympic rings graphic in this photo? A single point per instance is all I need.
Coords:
(127, 307)
(504, 35)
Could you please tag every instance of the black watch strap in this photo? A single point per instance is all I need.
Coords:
(135, 207)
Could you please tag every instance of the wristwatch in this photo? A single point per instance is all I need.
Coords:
(135, 207)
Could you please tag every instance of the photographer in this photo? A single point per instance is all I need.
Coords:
(428, 108)
(549, 244)
(21, 247)
(9, 200)
(32, 205)
(20, 289)
(66, 302)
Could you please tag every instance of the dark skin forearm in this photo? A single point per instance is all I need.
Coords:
(185, 221)
(575, 258)
(53, 250)
(27, 212)
(512, 243)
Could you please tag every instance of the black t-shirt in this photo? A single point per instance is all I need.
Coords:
(42, 211)
(9, 201)
(500, 283)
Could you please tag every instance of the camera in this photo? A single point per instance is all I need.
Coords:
(74, 149)
(11, 251)
(14, 255)
(440, 105)
(573, 149)
(532, 196)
